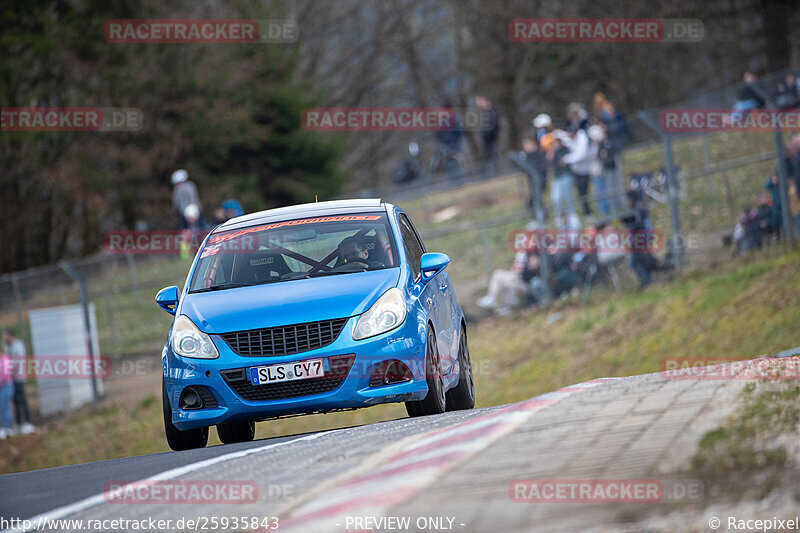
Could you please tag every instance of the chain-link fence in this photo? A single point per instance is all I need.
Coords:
(714, 176)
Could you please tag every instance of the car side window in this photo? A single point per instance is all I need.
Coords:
(413, 246)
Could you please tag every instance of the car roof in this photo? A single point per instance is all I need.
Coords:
(333, 207)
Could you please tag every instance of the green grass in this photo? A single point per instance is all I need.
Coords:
(747, 307)
(745, 446)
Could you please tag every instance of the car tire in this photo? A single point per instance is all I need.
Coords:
(434, 403)
(462, 396)
(230, 432)
(180, 440)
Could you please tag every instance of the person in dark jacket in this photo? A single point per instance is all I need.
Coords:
(787, 93)
(490, 128)
(642, 262)
(537, 159)
(749, 96)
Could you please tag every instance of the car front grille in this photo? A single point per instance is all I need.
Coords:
(241, 385)
(284, 340)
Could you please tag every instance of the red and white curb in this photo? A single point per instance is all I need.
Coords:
(409, 470)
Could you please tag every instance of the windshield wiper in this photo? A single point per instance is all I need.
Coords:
(222, 286)
(319, 273)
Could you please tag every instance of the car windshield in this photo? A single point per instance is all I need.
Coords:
(295, 249)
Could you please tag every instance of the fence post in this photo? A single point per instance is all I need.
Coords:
(536, 181)
(81, 281)
(132, 268)
(672, 186)
(674, 211)
(112, 326)
(783, 188)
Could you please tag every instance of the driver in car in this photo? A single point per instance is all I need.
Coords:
(351, 250)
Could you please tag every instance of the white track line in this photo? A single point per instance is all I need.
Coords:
(98, 499)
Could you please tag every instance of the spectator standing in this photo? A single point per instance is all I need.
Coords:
(184, 193)
(537, 159)
(773, 186)
(604, 183)
(16, 351)
(579, 160)
(577, 117)
(449, 137)
(490, 128)
(612, 119)
(561, 192)
(638, 219)
(194, 231)
(6, 395)
(544, 131)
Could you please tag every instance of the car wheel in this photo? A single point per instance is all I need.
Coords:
(434, 402)
(180, 440)
(462, 396)
(230, 432)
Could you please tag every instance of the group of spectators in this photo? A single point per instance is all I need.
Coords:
(759, 223)
(538, 276)
(762, 222)
(785, 95)
(581, 155)
(12, 388)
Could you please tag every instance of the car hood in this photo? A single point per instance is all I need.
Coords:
(288, 302)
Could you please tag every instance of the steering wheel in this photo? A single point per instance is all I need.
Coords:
(352, 265)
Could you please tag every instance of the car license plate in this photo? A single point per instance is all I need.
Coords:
(310, 368)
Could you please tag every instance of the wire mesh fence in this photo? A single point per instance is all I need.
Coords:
(716, 177)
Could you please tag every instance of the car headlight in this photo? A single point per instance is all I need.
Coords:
(384, 315)
(188, 341)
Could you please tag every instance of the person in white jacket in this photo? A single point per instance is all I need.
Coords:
(580, 160)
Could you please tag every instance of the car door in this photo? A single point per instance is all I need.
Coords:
(435, 291)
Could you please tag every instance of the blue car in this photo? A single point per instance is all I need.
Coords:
(311, 309)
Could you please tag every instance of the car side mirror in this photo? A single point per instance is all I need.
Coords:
(432, 263)
(168, 298)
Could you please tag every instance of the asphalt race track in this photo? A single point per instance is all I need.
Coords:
(452, 472)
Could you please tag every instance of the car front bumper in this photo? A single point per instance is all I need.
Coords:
(405, 344)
